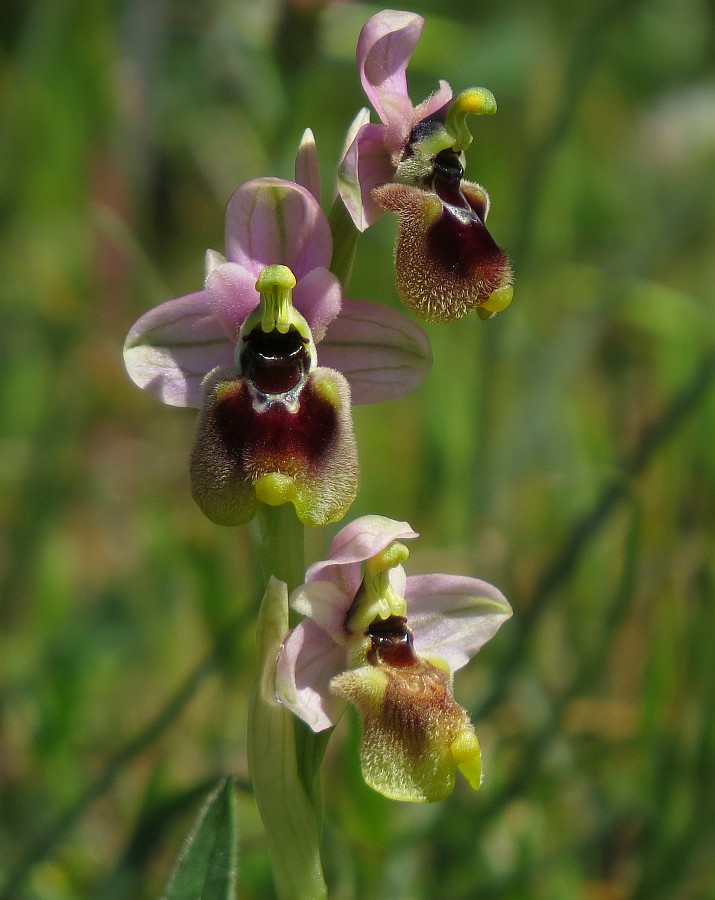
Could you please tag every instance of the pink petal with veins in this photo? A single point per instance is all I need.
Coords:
(399, 119)
(307, 661)
(384, 49)
(453, 616)
(366, 164)
(383, 354)
(270, 221)
(326, 604)
(352, 545)
(169, 350)
(317, 297)
(232, 295)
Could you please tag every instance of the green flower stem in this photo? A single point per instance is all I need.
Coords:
(284, 755)
(277, 539)
(345, 238)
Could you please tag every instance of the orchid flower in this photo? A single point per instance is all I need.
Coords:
(389, 644)
(412, 164)
(274, 426)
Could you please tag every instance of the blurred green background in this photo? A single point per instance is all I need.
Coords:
(564, 451)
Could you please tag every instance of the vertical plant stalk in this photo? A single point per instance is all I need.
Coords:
(283, 754)
(345, 238)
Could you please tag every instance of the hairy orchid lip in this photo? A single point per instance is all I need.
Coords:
(274, 362)
(296, 447)
(282, 441)
(460, 242)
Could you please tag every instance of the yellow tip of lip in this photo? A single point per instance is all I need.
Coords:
(467, 755)
(499, 299)
(275, 489)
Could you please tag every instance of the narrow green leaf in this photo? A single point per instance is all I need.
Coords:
(208, 862)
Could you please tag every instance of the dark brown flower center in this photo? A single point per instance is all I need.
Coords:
(392, 643)
(448, 169)
(275, 363)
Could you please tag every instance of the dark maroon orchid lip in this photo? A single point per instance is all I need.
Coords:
(281, 439)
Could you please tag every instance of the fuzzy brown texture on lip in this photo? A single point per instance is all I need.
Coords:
(309, 440)
(446, 260)
(410, 720)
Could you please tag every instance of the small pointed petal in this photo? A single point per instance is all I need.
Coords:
(383, 354)
(306, 663)
(270, 221)
(318, 297)
(307, 169)
(453, 616)
(232, 294)
(212, 260)
(384, 49)
(365, 164)
(169, 350)
(434, 102)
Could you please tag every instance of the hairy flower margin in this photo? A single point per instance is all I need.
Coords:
(412, 163)
(274, 425)
(389, 644)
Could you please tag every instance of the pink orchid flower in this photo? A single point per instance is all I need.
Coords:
(269, 221)
(390, 644)
(274, 424)
(412, 163)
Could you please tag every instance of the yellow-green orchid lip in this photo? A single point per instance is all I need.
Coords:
(414, 734)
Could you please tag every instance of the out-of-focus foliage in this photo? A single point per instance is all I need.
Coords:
(564, 451)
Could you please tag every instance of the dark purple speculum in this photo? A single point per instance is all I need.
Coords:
(392, 643)
(458, 239)
(275, 363)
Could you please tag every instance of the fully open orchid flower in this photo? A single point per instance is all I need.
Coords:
(389, 644)
(412, 164)
(247, 357)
